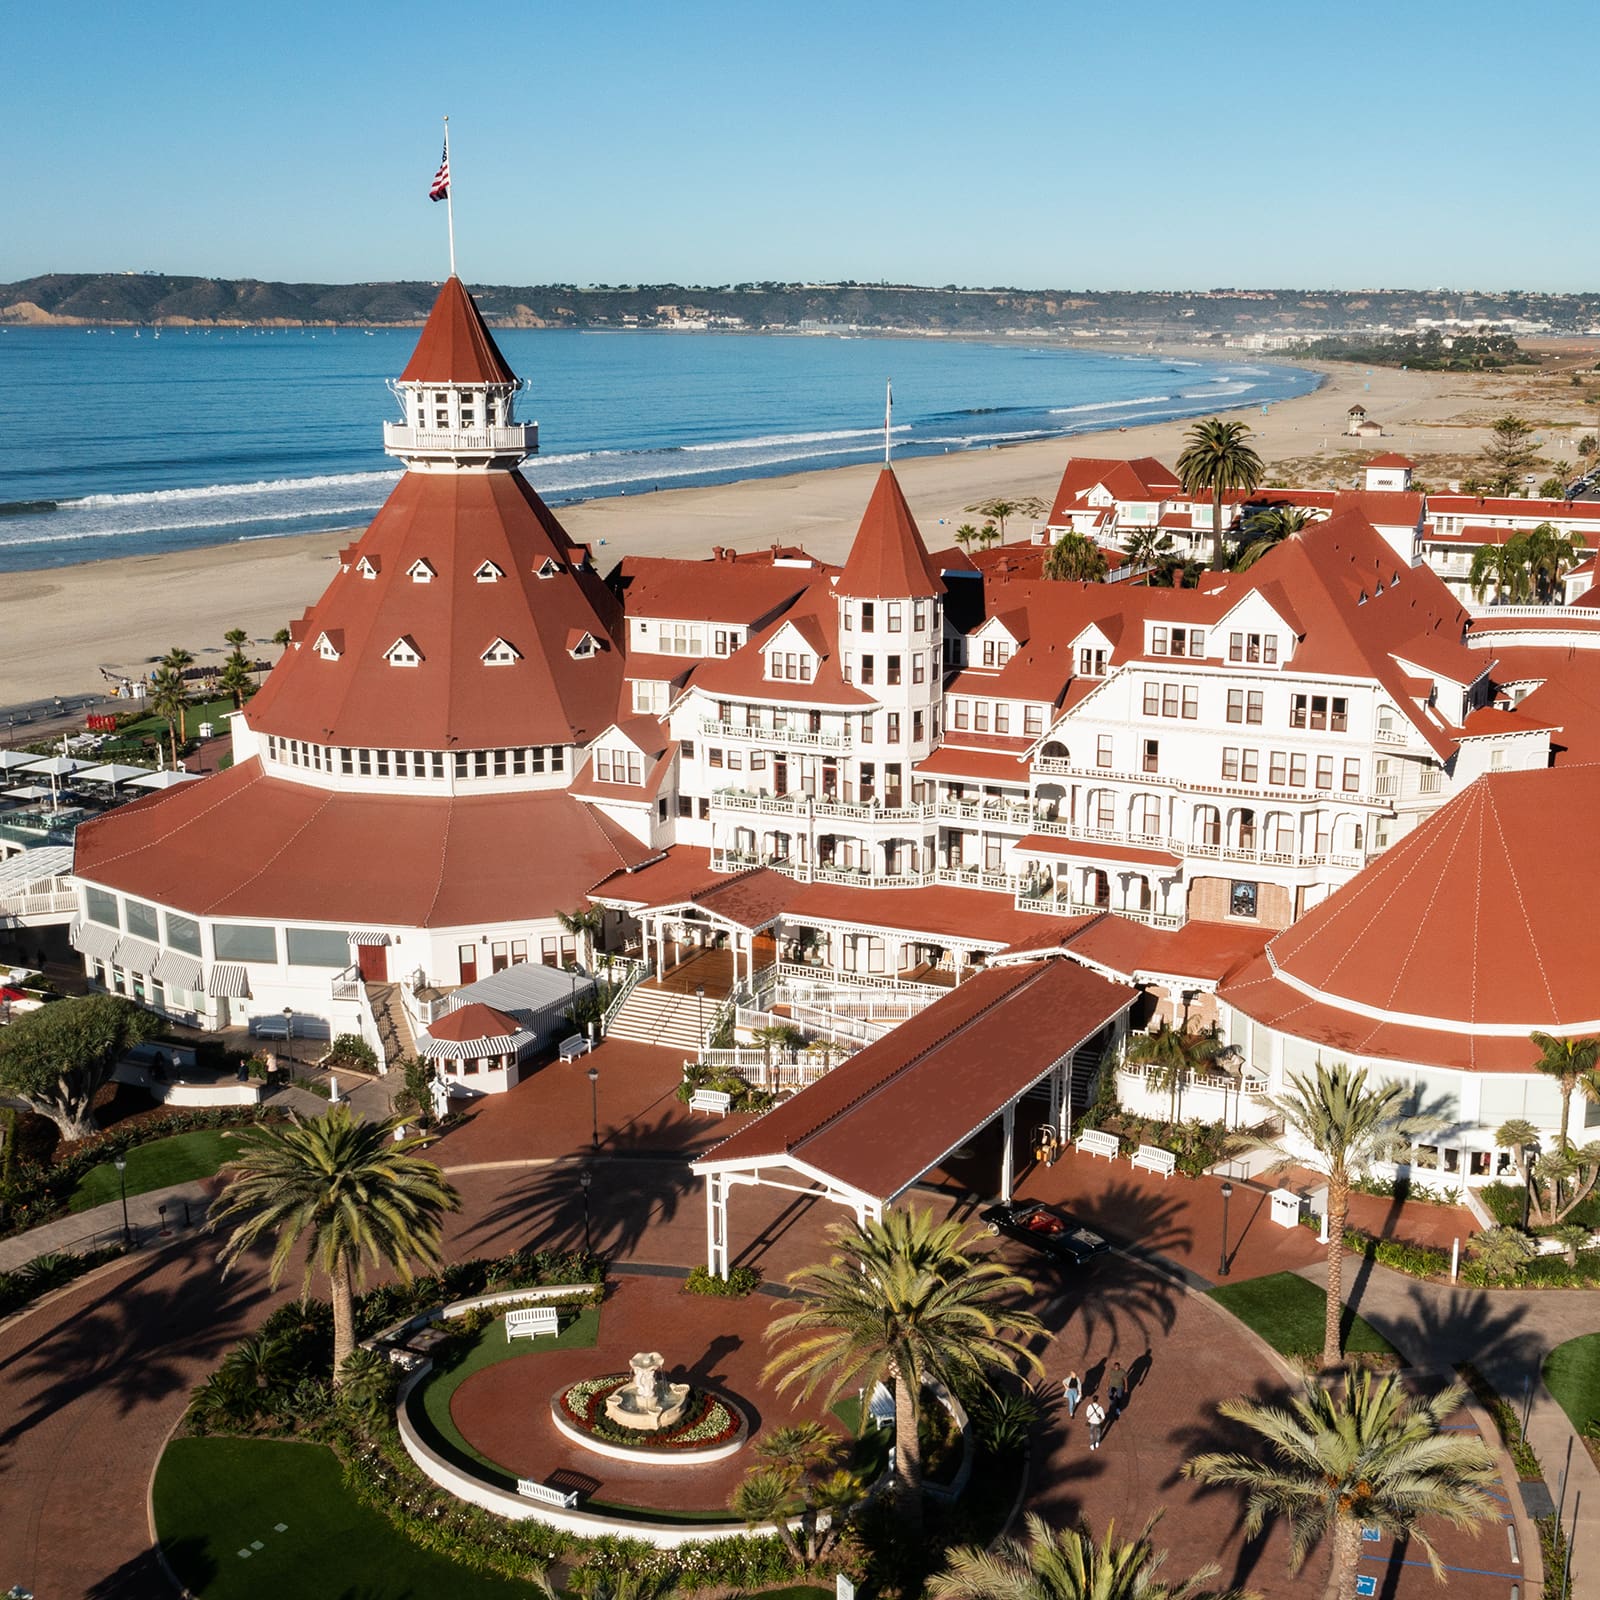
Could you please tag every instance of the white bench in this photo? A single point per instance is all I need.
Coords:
(718, 1100)
(527, 1322)
(534, 1490)
(1154, 1159)
(573, 1047)
(1097, 1143)
(880, 1406)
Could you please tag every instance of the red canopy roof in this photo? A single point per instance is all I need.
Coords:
(888, 559)
(456, 345)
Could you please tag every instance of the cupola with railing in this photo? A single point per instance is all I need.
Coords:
(458, 396)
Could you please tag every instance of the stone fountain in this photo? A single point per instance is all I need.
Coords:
(648, 1404)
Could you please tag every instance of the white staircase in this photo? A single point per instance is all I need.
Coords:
(658, 1016)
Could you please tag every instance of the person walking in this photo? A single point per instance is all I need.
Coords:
(1097, 1422)
(1117, 1388)
(1072, 1391)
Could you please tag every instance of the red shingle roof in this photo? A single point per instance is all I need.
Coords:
(725, 591)
(471, 1022)
(1390, 459)
(888, 559)
(456, 345)
(244, 845)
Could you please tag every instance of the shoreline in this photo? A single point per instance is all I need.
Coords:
(59, 625)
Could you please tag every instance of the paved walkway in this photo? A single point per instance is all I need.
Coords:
(102, 1225)
(1506, 1334)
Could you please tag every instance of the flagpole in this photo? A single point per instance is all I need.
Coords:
(888, 416)
(449, 199)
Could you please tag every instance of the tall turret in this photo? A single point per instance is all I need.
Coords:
(457, 396)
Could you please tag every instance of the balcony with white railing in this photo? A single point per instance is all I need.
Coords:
(1008, 813)
(1111, 836)
(514, 442)
(802, 737)
(1049, 904)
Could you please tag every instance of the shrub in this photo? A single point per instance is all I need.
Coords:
(351, 1051)
(1417, 1260)
(741, 1281)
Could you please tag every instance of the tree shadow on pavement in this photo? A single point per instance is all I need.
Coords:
(544, 1206)
(89, 1349)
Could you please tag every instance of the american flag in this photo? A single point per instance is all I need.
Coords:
(439, 189)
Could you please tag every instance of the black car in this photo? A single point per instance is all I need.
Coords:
(1051, 1232)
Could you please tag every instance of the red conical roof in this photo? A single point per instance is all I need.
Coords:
(480, 540)
(456, 345)
(888, 559)
(1477, 920)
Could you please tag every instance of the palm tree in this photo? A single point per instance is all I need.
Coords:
(283, 638)
(1492, 563)
(988, 534)
(1266, 530)
(1347, 1127)
(1174, 1054)
(966, 536)
(1149, 547)
(1218, 457)
(178, 660)
(168, 697)
(236, 638)
(902, 1301)
(1066, 1564)
(1574, 1064)
(585, 924)
(236, 678)
(1369, 1456)
(350, 1191)
(795, 1469)
(1551, 556)
(998, 509)
(1075, 558)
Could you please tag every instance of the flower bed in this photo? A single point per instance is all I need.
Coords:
(706, 1423)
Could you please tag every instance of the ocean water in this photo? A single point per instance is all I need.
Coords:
(120, 442)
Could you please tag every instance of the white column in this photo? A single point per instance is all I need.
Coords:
(717, 1224)
(1008, 1124)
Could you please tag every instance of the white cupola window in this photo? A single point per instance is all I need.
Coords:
(403, 652)
(367, 567)
(488, 573)
(421, 571)
(550, 568)
(500, 654)
(330, 645)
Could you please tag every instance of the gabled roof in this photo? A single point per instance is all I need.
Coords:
(456, 345)
(455, 521)
(1390, 459)
(1143, 478)
(723, 590)
(888, 559)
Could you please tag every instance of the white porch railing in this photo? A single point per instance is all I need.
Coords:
(369, 1028)
(812, 1020)
(1048, 905)
(786, 1069)
(826, 977)
(795, 736)
(633, 971)
(347, 984)
(521, 437)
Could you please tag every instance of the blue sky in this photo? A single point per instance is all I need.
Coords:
(1142, 144)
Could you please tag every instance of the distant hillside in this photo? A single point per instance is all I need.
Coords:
(1274, 315)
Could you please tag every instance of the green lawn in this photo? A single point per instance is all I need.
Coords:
(180, 1159)
(258, 1519)
(212, 711)
(1572, 1375)
(1288, 1313)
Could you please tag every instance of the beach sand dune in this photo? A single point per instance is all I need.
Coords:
(59, 627)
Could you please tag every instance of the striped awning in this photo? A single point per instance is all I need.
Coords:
(472, 1049)
(97, 942)
(367, 936)
(229, 981)
(181, 971)
(137, 955)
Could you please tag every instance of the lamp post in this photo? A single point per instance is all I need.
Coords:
(288, 1039)
(585, 1180)
(121, 1165)
(594, 1107)
(1222, 1265)
(700, 999)
(1527, 1181)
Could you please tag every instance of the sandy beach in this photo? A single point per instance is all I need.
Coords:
(59, 627)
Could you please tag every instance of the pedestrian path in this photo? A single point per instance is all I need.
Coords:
(81, 1231)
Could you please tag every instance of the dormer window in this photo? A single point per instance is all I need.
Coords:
(500, 654)
(403, 652)
(421, 571)
(328, 647)
(582, 645)
(367, 567)
(488, 573)
(550, 568)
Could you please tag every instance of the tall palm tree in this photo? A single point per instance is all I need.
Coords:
(1175, 1053)
(1066, 1564)
(168, 697)
(1218, 457)
(348, 1190)
(178, 661)
(282, 638)
(236, 638)
(1075, 558)
(1149, 547)
(1492, 564)
(966, 536)
(1266, 530)
(585, 924)
(1551, 556)
(1368, 1456)
(999, 508)
(902, 1301)
(1572, 1063)
(1346, 1127)
(236, 678)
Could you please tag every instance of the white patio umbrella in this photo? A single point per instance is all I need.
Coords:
(57, 766)
(30, 791)
(113, 772)
(10, 759)
(164, 780)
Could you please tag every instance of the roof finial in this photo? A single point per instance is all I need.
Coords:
(439, 189)
(888, 416)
